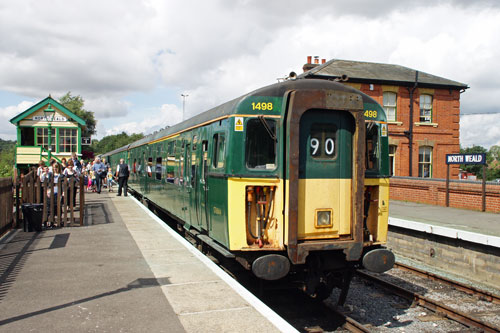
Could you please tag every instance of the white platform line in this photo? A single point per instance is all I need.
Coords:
(187, 283)
(446, 232)
(8, 237)
(257, 304)
(211, 311)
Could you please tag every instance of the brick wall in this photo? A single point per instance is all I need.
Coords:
(443, 134)
(463, 194)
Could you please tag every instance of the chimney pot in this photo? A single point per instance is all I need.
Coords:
(323, 61)
(316, 59)
(309, 59)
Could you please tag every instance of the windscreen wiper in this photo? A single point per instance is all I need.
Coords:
(268, 129)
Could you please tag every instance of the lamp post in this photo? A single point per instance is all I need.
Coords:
(49, 116)
(184, 96)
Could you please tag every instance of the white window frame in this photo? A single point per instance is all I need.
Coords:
(425, 164)
(426, 108)
(390, 106)
(392, 159)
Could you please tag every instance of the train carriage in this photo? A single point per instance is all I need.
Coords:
(291, 179)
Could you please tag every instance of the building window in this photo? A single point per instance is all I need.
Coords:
(425, 108)
(390, 105)
(392, 159)
(68, 140)
(42, 138)
(425, 162)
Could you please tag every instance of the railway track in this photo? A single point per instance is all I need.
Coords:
(470, 290)
(439, 308)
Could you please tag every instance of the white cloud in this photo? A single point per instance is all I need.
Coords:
(218, 50)
(168, 115)
(480, 130)
(7, 130)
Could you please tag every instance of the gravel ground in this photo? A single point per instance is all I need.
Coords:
(373, 306)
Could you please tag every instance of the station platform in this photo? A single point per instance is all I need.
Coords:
(124, 270)
(473, 226)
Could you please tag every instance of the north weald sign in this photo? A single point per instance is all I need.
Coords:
(465, 158)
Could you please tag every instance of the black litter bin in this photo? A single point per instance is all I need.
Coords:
(27, 217)
(36, 216)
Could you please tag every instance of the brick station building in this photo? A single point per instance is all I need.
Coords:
(423, 111)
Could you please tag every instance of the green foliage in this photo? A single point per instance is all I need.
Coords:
(495, 152)
(493, 166)
(6, 157)
(112, 142)
(75, 104)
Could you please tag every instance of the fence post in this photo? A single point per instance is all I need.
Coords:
(65, 206)
(82, 199)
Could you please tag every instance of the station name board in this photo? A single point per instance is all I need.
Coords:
(56, 118)
(465, 158)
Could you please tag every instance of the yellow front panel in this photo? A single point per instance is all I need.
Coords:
(378, 216)
(237, 217)
(324, 194)
(28, 150)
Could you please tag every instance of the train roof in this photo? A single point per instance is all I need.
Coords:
(229, 108)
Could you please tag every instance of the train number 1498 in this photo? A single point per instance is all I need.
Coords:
(262, 106)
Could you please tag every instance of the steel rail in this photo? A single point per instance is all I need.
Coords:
(349, 323)
(486, 295)
(432, 305)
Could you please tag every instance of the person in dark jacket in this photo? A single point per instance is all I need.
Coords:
(122, 172)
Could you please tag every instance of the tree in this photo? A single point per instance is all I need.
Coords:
(112, 142)
(477, 169)
(495, 152)
(6, 157)
(75, 104)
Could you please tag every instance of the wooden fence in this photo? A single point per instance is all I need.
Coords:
(6, 204)
(55, 208)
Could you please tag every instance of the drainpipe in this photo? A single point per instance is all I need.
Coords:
(409, 133)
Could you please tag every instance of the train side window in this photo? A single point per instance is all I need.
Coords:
(323, 141)
(260, 150)
(150, 167)
(221, 151)
(372, 146)
(158, 168)
(218, 151)
(215, 145)
(204, 170)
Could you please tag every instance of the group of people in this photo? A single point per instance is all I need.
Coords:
(96, 174)
(101, 174)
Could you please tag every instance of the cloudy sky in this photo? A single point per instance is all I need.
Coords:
(132, 59)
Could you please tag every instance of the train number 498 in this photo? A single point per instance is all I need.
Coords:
(370, 114)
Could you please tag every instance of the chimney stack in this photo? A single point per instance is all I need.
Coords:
(309, 65)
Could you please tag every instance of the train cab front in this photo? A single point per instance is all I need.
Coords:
(329, 230)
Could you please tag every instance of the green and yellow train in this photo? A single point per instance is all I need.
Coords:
(291, 179)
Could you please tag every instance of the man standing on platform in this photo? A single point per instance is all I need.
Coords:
(100, 173)
(122, 172)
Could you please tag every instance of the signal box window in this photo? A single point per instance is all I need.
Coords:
(425, 162)
(425, 108)
(42, 138)
(390, 105)
(260, 150)
(323, 138)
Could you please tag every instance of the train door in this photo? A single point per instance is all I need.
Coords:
(187, 184)
(325, 174)
(202, 194)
